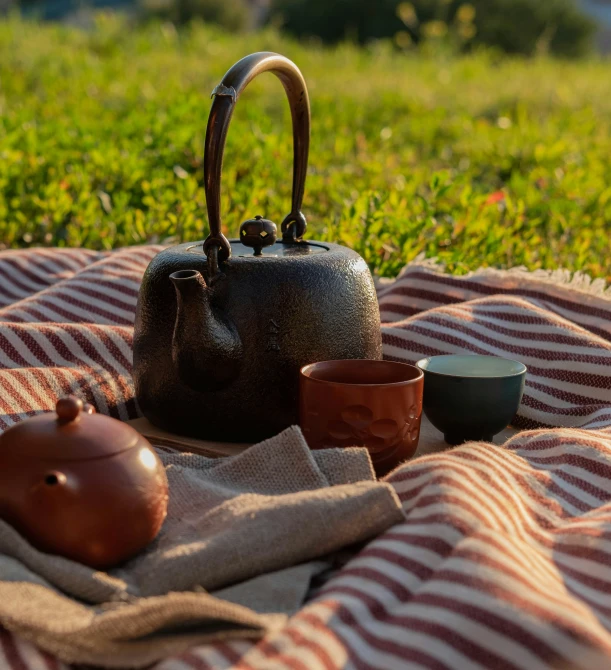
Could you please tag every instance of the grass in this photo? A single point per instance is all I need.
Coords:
(475, 160)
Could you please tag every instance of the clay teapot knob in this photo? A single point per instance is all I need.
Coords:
(68, 408)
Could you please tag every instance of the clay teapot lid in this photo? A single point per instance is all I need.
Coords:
(74, 432)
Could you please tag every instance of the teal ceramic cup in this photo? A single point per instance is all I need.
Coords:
(470, 397)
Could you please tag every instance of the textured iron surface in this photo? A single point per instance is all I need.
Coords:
(285, 311)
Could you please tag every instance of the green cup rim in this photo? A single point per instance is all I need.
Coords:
(520, 373)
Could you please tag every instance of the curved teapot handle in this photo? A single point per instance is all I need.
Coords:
(225, 96)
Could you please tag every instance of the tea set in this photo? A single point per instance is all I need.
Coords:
(236, 340)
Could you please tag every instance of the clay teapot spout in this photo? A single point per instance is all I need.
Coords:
(206, 347)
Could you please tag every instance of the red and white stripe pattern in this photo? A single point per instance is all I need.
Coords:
(504, 559)
(66, 326)
(561, 334)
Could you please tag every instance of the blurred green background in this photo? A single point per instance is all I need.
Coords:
(476, 132)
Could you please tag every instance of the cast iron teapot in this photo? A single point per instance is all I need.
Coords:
(223, 326)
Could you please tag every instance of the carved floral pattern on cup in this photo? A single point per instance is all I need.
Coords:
(356, 425)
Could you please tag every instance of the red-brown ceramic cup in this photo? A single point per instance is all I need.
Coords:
(365, 403)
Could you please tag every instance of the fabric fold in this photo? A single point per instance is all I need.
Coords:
(244, 537)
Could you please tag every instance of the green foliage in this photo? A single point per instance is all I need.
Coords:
(358, 20)
(528, 26)
(473, 160)
(514, 26)
(232, 15)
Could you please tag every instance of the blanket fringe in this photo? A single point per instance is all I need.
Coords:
(576, 281)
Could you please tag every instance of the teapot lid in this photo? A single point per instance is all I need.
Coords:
(276, 250)
(74, 432)
(301, 248)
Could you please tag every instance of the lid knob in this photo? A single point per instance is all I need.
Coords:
(70, 407)
(258, 233)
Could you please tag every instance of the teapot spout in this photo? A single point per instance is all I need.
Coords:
(206, 347)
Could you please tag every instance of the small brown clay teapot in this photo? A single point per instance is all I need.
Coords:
(82, 485)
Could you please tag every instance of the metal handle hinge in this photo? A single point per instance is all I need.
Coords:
(225, 91)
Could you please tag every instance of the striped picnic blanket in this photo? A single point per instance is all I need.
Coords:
(504, 559)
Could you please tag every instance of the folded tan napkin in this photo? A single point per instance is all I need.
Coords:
(234, 558)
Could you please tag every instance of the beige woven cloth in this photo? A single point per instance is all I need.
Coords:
(234, 558)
